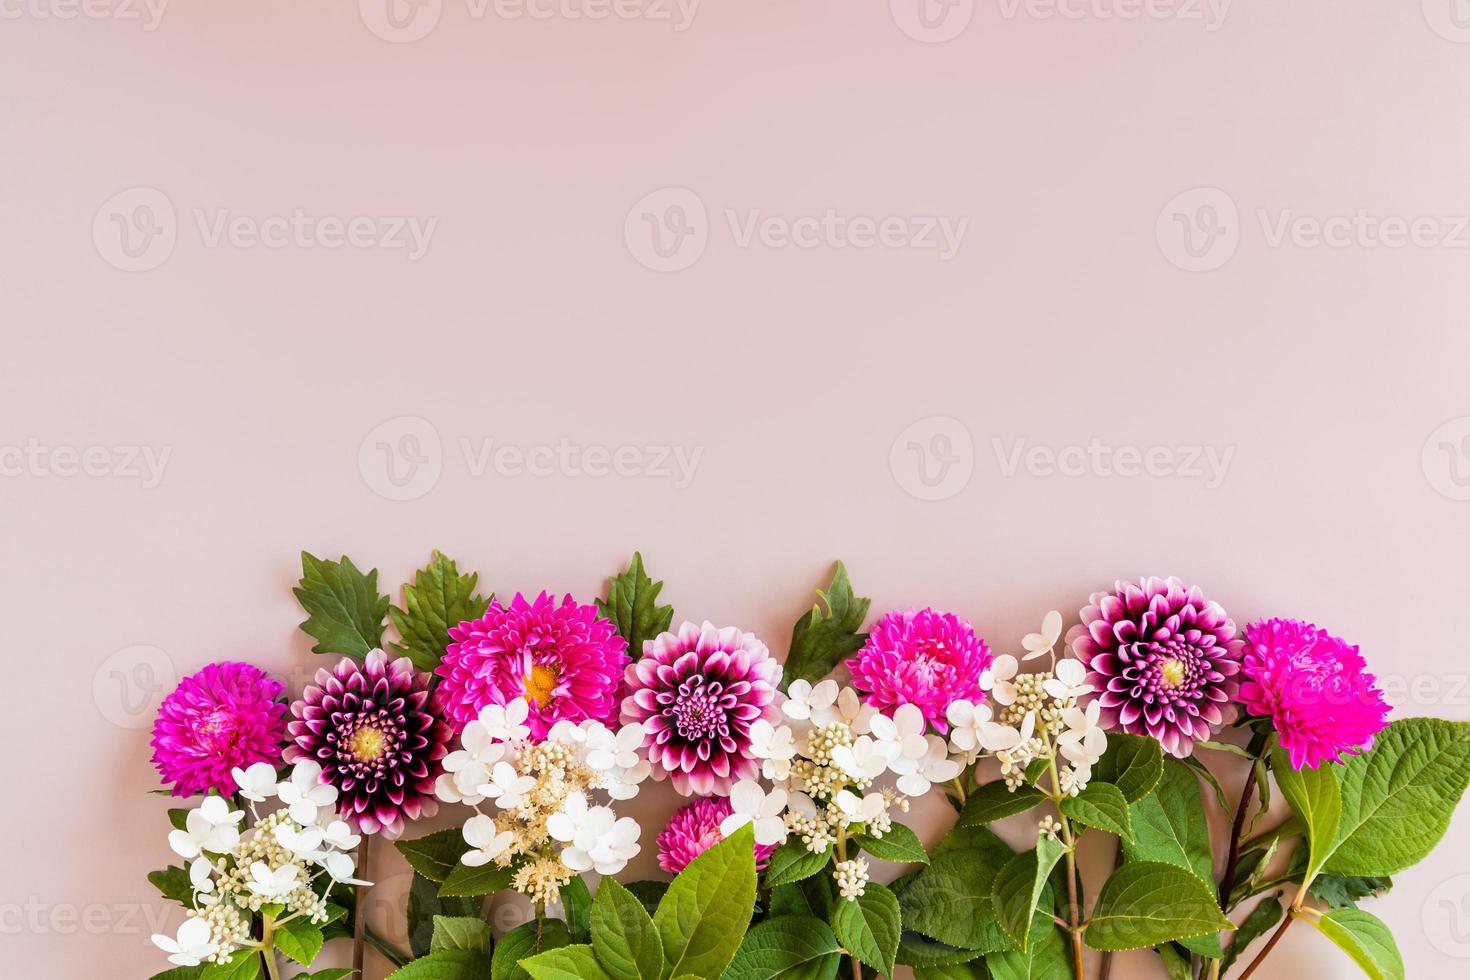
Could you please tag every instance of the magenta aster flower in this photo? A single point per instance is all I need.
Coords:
(694, 830)
(1162, 660)
(371, 728)
(925, 658)
(227, 715)
(1314, 687)
(697, 692)
(564, 659)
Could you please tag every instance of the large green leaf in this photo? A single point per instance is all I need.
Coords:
(1366, 939)
(869, 927)
(899, 844)
(435, 856)
(566, 963)
(1169, 824)
(790, 947)
(952, 899)
(244, 965)
(994, 801)
(1315, 797)
(1102, 806)
(173, 883)
(523, 942)
(920, 951)
(705, 913)
(424, 903)
(460, 932)
(623, 934)
(439, 598)
(576, 905)
(1146, 903)
(632, 606)
(793, 861)
(1132, 763)
(819, 639)
(345, 611)
(1044, 958)
(467, 882)
(968, 970)
(450, 964)
(1398, 797)
(1019, 885)
(300, 940)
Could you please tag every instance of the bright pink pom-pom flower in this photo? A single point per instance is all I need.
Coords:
(1314, 687)
(563, 658)
(1162, 660)
(694, 830)
(225, 716)
(925, 658)
(697, 692)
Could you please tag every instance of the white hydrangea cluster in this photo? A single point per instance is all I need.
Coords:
(545, 825)
(279, 860)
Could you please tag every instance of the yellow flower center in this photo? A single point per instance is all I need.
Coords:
(540, 683)
(1172, 671)
(367, 744)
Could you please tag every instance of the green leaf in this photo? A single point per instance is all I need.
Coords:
(450, 964)
(1100, 805)
(1044, 958)
(952, 899)
(820, 639)
(898, 844)
(811, 897)
(467, 882)
(525, 941)
(179, 973)
(424, 903)
(1203, 771)
(649, 893)
(439, 598)
(332, 973)
(705, 913)
(567, 963)
(1176, 962)
(1146, 903)
(1169, 824)
(460, 932)
(789, 948)
(1263, 918)
(244, 965)
(1221, 747)
(1132, 763)
(869, 927)
(623, 934)
(435, 856)
(632, 606)
(1398, 797)
(921, 952)
(300, 940)
(174, 884)
(576, 903)
(1315, 797)
(994, 801)
(344, 610)
(1366, 939)
(1019, 885)
(1344, 891)
(793, 861)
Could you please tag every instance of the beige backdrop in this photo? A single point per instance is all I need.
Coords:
(997, 301)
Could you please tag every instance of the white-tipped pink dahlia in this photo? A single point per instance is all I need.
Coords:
(697, 691)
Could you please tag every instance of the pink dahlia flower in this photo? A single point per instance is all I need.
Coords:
(1314, 687)
(227, 715)
(562, 658)
(697, 692)
(1163, 660)
(694, 830)
(925, 658)
(371, 728)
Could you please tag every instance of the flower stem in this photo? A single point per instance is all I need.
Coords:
(268, 949)
(359, 923)
(1270, 945)
(1232, 866)
(841, 851)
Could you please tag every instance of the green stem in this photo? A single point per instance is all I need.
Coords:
(268, 949)
(1074, 912)
(359, 924)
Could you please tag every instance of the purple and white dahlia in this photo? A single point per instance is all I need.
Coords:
(1163, 660)
(228, 715)
(372, 729)
(697, 692)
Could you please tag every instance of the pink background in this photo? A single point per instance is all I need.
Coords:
(1335, 376)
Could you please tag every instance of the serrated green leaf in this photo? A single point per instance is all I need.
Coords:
(899, 844)
(435, 856)
(450, 964)
(440, 597)
(1169, 824)
(869, 927)
(300, 940)
(1345, 891)
(576, 904)
(649, 893)
(345, 611)
(467, 882)
(632, 606)
(1132, 763)
(1102, 806)
(952, 899)
(1019, 885)
(1263, 918)
(623, 934)
(174, 884)
(179, 973)
(968, 970)
(994, 801)
(1366, 939)
(244, 965)
(789, 948)
(424, 903)
(820, 639)
(1398, 797)
(460, 932)
(1147, 903)
(810, 897)
(567, 963)
(793, 861)
(703, 917)
(1044, 958)
(524, 941)
(1314, 796)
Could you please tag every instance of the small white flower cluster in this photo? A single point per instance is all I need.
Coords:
(1038, 717)
(278, 860)
(546, 826)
